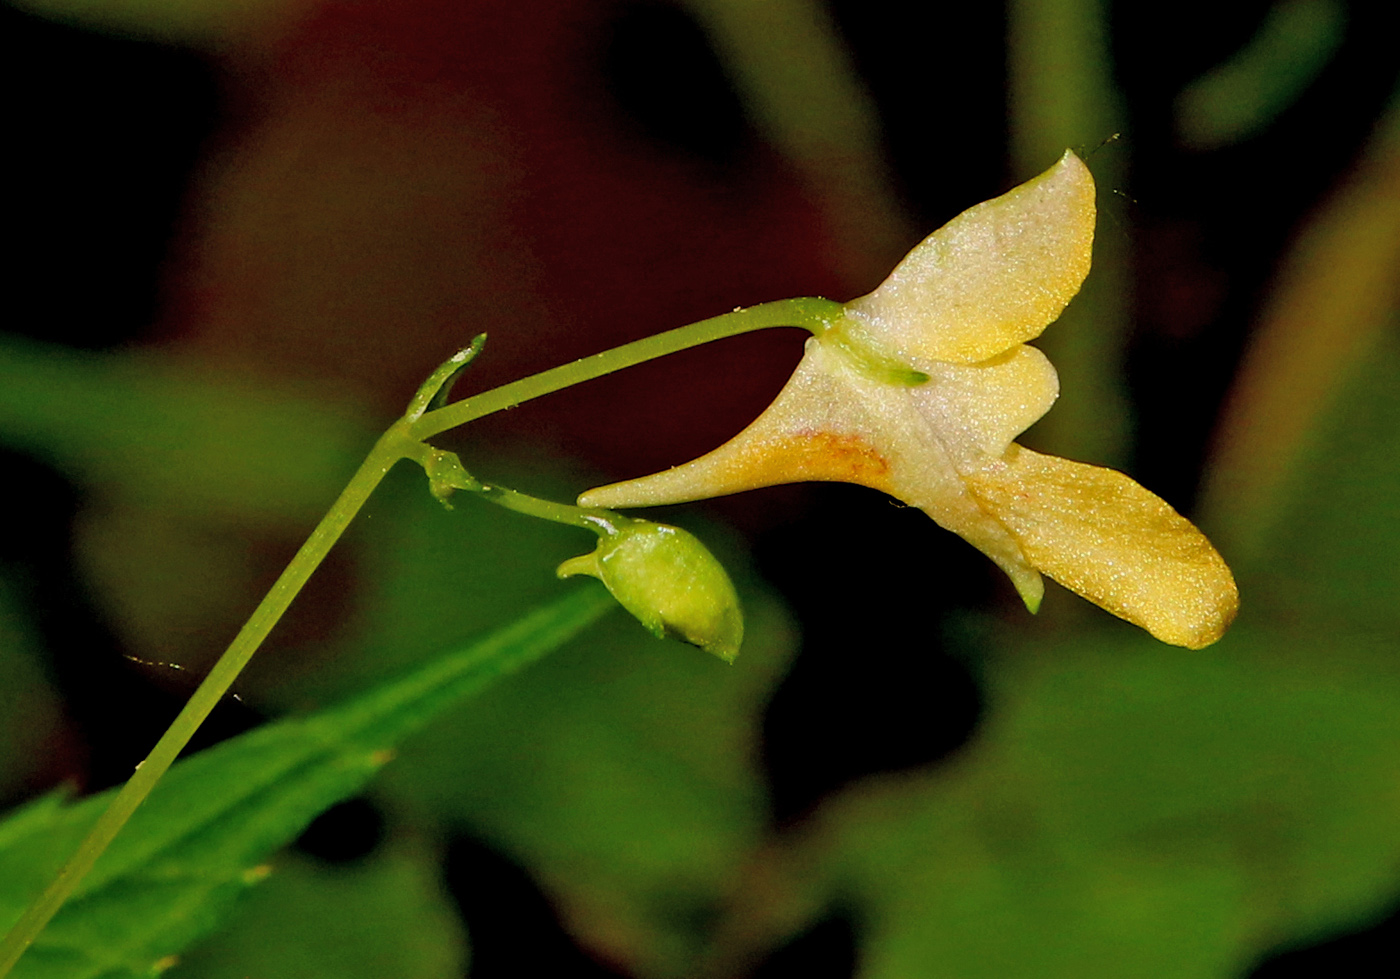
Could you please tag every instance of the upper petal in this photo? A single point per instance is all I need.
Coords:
(977, 409)
(996, 275)
(1102, 535)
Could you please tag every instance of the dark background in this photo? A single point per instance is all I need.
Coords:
(104, 136)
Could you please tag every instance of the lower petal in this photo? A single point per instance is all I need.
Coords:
(1102, 535)
(977, 409)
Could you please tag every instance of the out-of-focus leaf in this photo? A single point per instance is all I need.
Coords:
(194, 846)
(1333, 558)
(624, 776)
(1062, 95)
(212, 23)
(173, 434)
(1127, 811)
(177, 587)
(800, 85)
(384, 917)
(186, 470)
(1239, 98)
(1337, 293)
(29, 709)
(622, 771)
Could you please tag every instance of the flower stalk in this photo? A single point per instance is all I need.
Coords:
(426, 416)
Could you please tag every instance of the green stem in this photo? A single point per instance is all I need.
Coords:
(811, 313)
(601, 522)
(446, 475)
(389, 450)
(403, 440)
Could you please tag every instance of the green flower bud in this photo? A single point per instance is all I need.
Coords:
(670, 582)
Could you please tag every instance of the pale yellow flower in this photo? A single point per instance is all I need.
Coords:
(918, 390)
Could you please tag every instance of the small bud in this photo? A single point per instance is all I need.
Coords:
(670, 582)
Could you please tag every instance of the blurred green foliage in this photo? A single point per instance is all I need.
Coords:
(1127, 812)
(171, 435)
(387, 916)
(1125, 809)
(29, 707)
(197, 843)
(1331, 562)
(1239, 98)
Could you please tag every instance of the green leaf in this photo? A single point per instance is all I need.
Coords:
(622, 772)
(1128, 810)
(387, 916)
(1331, 562)
(1241, 97)
(176, 434)
(195, 845)
(204, 22)
(623, 776)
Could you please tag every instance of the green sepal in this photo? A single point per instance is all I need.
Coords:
(446, 475)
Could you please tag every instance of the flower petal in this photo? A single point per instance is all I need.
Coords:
(977, 409)
(996, 275)
(822, 426)
(1102, 535)
(831, 422)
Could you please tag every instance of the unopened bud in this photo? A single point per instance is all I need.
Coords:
(670, 582)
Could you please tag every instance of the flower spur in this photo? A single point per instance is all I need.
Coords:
(918, 390)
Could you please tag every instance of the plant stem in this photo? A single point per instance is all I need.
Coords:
(403, 440)
(446, 475)
(601, 522)
(810, 313)
(386, 452)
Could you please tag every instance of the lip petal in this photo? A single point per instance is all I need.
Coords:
(1102, 535)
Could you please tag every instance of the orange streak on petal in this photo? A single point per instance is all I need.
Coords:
(829, 457)
(751, 462)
